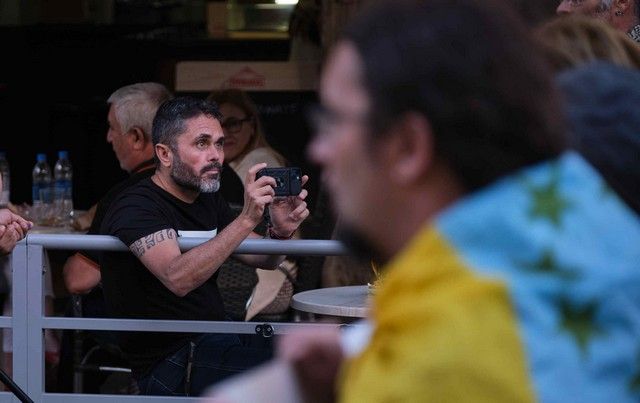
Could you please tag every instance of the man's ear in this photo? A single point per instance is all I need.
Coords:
(165, 155)
(138, 138)
(411, 148)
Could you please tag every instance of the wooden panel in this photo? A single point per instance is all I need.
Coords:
(250, 76)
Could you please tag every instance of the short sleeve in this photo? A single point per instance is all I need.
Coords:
(133, 216)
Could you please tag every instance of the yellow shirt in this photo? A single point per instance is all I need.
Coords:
(441, 334)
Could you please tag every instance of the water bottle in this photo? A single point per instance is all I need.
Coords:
(41, 190)
(6, 180)
(63, 188)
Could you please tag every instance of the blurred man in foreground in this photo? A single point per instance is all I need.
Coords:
(623, 15)
(510, 272)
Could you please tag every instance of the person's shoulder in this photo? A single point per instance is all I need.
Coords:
(263, 154)
(144, 187)
(123, 185)
(136, 202)
(136, 195)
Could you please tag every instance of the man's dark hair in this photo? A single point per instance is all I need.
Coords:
(471, 69)
(170, 120)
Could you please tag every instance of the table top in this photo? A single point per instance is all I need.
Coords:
(351, 301)
(45, 229)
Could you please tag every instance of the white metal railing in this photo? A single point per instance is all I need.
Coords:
(28, 321)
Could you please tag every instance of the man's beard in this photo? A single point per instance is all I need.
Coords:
(183, 175)
(360, 248)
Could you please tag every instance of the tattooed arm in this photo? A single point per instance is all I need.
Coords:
(183, 272)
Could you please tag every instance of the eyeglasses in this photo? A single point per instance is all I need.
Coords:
(324, 120)
(233, 125)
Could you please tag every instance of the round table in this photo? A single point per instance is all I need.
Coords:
(351, 301)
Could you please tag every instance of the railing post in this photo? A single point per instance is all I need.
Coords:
(20, 348)
(28, 264)
(35, 310)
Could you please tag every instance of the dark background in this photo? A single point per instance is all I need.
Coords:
(55, 79)
(56, 74)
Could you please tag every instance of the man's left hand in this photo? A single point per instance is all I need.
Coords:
(287, 213)
(9, 236)
(7, 218)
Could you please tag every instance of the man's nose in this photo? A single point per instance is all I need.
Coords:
(563, 8)
(216, 154)
(109, 138)
(318, 150)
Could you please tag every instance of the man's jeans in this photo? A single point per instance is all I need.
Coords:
(214, 357)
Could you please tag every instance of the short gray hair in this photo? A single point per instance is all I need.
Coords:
(136, 105)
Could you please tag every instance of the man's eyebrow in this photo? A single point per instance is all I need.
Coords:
(203, 136)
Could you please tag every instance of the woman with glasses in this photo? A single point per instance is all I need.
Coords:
(245, 144)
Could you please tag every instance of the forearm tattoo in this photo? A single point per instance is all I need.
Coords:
(143, 244)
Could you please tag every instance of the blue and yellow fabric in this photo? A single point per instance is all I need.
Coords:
(528, 290)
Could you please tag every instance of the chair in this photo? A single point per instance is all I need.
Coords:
(236, 281)
(99, 366)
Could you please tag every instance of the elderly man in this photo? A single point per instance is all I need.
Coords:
(130, 118)
(510, 269)
(157, 280)
(623, 15)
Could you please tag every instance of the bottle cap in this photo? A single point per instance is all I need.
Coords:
(63, 154)
(41, 157)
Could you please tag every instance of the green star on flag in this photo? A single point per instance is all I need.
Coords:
(579, 322)
(547, 201)
(547, 264)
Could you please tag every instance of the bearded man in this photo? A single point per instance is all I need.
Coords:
(158, 281)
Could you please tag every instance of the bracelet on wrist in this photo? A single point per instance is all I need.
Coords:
(273, 235)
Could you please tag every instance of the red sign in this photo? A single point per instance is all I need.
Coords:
(246, 78)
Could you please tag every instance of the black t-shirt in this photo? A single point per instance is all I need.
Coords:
(93, 301)
(231, 187)
(105, 203)
(132, 291)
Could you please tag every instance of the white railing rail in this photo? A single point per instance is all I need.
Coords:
(28, 321)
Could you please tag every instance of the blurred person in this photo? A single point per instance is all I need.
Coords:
(246, 145)
(12, 228)
(570, 41)
(157, 281)
(508, 274)
(623, 15)
(605, 123)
